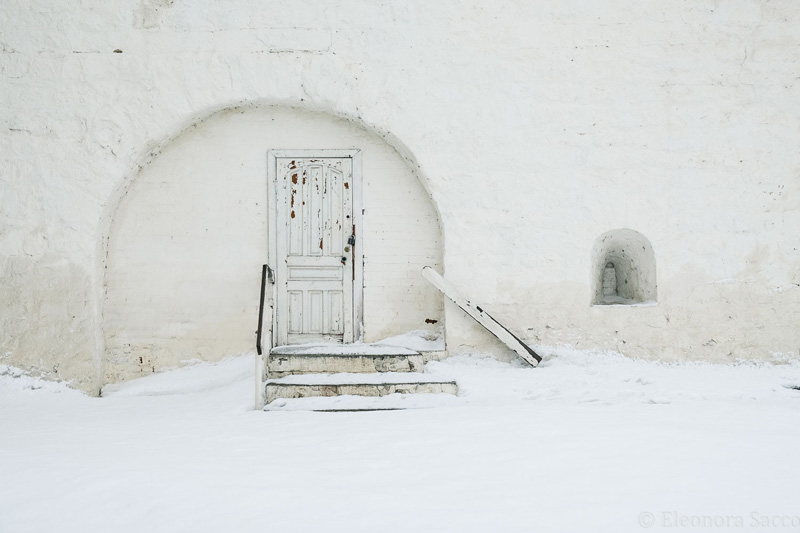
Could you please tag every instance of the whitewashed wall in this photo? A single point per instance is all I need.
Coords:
(536, 127)
(189, 237)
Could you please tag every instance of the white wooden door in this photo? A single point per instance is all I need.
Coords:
(315, 248)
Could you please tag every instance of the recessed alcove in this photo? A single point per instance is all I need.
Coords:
(188, 238)
(623, 269)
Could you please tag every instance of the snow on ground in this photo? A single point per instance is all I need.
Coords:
(585, 442)
(417, 340)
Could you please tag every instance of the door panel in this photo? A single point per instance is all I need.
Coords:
(314, 222)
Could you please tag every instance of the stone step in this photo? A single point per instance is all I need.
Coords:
(392, 402)
(354, 384)
(351, 358)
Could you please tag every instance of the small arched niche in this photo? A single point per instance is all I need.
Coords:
(623, 269)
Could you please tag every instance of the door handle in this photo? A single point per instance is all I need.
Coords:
(344, 260)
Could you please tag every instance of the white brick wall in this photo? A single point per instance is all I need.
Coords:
(536, 126)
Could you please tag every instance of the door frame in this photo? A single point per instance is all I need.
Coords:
(357, 251)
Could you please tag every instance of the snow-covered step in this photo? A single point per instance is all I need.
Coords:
(332, 358)
(355, 384)
(392, 402)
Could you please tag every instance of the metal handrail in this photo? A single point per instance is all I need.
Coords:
(266, 272)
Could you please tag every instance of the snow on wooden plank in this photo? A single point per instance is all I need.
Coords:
(482, 317)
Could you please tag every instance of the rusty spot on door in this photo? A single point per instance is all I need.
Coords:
(430, 321)
(320, 244)
(346, 185)
(293, 214)
(294, 179)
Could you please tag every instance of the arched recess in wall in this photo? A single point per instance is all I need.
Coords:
(623, 269)
(188, 238)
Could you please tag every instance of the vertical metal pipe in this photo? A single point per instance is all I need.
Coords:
(261, 308)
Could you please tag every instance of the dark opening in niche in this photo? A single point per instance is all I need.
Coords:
(623, 269)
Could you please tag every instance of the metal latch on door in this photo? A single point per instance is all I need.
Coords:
(351, 242)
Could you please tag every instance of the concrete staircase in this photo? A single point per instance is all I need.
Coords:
(374, 373)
